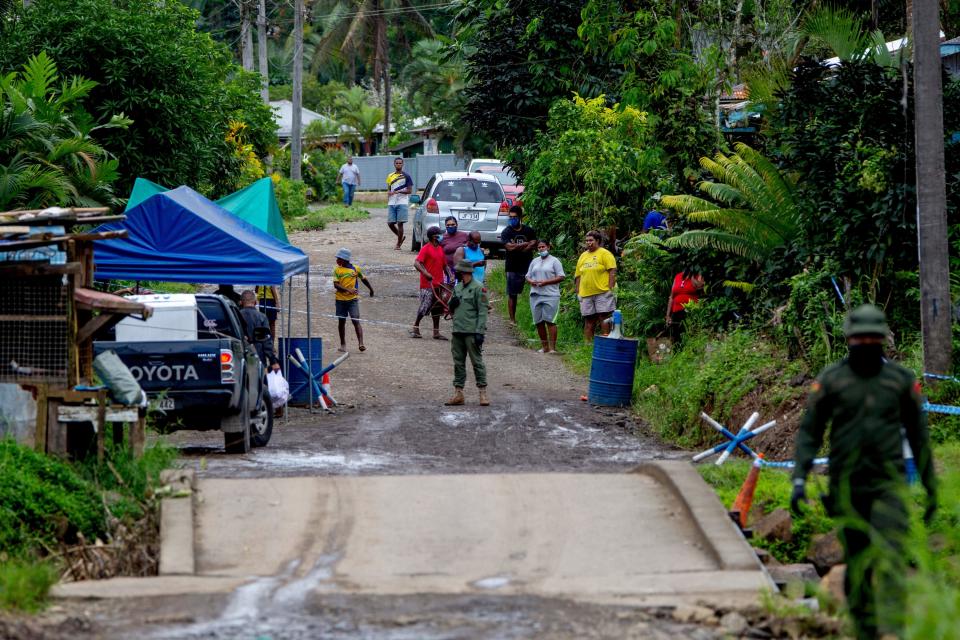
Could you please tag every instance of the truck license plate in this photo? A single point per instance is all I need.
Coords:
(166, 404)
(469, 215)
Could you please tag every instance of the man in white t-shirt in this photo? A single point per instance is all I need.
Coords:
(349, 176)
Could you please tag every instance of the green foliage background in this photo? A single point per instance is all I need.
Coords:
(178, 85)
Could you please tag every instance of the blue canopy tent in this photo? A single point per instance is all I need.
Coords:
(180, 236)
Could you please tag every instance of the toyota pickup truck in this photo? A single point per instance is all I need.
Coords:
(197, 367)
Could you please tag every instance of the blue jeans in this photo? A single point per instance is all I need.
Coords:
(348, 191)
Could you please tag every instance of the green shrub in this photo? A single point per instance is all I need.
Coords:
(44, 501)
(24, 584)
(291, 196)
(320, 173)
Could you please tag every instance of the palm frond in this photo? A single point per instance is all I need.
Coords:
(718, 240)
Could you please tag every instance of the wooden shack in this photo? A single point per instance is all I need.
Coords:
(50, 315)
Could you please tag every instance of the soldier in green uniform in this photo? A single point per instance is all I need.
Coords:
(469, 305)
(867, 401)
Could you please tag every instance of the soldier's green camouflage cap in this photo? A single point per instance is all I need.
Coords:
(865, 320)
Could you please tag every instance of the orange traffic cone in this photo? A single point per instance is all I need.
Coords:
(744, 500)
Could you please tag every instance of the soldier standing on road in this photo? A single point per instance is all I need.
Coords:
(868, 400)
(469, 305)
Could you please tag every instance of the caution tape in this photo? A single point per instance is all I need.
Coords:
(941, 408)
(790, 464)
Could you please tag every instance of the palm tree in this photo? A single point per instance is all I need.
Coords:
(47, 154)
(753, 210)
(364, 123)
(434, 81)
(359, 30)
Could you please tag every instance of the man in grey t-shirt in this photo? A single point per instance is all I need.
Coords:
(349, 176)
(545, 274)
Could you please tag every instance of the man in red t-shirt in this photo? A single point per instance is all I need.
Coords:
(686, 289)
(432, 265)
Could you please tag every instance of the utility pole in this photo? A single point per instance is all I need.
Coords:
(935, 306)
(262, 51)
(296, 129)
(246, 36)
(387, 106)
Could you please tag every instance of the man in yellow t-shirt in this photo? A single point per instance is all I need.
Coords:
(596, 276)
(347, 296)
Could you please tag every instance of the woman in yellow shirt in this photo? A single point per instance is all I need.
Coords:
(596, 276)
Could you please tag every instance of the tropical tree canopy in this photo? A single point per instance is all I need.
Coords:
(753, 208)
(48, 155)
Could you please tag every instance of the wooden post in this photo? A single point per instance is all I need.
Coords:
(101, 422)
(138, 435)
(935, 305)
(40, 435)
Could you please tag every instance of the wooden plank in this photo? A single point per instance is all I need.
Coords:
(99, 323)
(88, 413)
(56, 430)
(37, 269)
(103, 301)
(138, 435)
(100, 425)
(19, 317)
(40, 435)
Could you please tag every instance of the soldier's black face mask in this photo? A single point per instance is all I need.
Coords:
(866, 359)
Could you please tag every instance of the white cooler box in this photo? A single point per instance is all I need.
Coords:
(174, 318)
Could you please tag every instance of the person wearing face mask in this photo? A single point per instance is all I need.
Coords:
(452, 240)
(472, 253)
(519, 241)
(545, 275)
(867, 401)
(432, 268)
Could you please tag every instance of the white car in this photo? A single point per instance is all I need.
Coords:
(476, 200)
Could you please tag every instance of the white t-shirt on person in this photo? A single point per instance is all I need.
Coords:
(350, 173)
(545, 269)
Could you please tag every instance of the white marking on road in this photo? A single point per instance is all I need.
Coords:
(493, 582)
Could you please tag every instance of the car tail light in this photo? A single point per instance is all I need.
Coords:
(432, 206)
(504, 208)
(227, 374)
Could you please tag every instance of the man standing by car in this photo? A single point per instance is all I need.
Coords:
(432, 267)
(452, 241)
(349, 176)
(253, 319)
(519, 241)
(399, 188)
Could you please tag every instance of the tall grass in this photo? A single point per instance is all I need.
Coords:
(317, 219)
(46, 502)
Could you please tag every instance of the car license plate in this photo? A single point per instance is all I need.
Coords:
(166, 404)
(469, 215)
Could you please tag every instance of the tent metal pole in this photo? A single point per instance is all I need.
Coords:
(309, 344)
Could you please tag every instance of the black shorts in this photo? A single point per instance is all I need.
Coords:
(515, 283)
(269, 309)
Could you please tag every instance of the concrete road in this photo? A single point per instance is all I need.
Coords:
(400, 518)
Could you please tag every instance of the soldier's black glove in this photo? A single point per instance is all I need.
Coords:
(478, 338)
(798, 497)
(454, 303)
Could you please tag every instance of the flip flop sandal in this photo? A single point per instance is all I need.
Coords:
(414, 334)
(440, 337)
(362, 348)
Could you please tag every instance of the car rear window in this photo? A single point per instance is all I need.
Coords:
(468, 191)
(505, 176)
(212, 320)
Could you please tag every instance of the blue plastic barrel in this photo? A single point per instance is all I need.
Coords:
(611, 372)
(299, 385)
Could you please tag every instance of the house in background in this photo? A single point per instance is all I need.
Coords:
(283, 116)
(426, 139)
